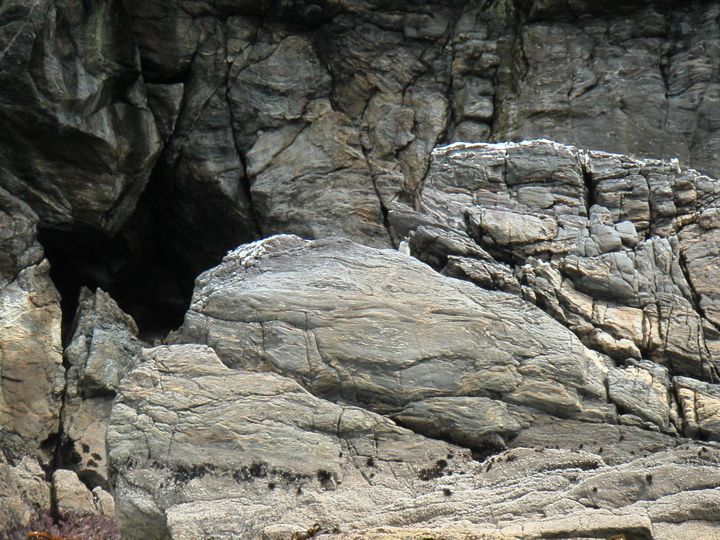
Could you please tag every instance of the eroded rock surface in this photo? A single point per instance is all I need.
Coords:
(200, 448)
(607, 244)
(31, 370)
(103, 348)
(204, 451)
(378, 328)
(320, 118)
(24, 493)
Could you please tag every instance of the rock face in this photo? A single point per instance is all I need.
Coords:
(335, 98)
(558, 320)
(201, 448)
(203, 451)
(31, 371)
(103, 348)
(78, 139)
(611, 246)
(23, 493)
(634, 79)
(375, 327)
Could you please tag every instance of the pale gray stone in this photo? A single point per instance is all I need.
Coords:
(71, 495)
(102, 349)
(200, 449)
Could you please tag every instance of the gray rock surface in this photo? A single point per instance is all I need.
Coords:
(31, 372)
(236, 120)
(70, 494)
(377, 328)
(632, 79)
(198, 458)
(617, 272)
(103, 348)
(200, 448)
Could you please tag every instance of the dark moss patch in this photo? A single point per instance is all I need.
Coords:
(325, 478)
(436, 471)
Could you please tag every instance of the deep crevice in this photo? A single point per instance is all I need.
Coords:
(137, 267)
(589, 188)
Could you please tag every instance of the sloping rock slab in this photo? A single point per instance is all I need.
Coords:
(203, 451)
(379, 328)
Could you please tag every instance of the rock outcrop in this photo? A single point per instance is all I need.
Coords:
(203, 451)
(200, 448)
(377, 328)
(103, 348)
(32, 377)
(23, 494)
(609, 245)
(556, 329)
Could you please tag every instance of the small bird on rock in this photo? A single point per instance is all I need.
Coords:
(675, 163)
(404, 246)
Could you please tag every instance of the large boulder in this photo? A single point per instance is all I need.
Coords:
(378, 328)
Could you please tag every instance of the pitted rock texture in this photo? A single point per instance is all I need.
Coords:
(200, 448)
(103, 348)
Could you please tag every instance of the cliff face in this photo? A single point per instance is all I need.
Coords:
(562, 293)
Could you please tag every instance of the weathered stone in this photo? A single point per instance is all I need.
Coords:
(164, 101)
(629, 79)
(643, 389)
(300, 191)
(70, 494)
(189, 437)
(371, 473)
(473, 422)
(700, 403)
(102, 349)
(486, 274)
(31, 370)
(24, 494)
(378, 328)
(18, 240)
(625, 293)
(614, 443)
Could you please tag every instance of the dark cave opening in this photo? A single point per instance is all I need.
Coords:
(142, 277)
